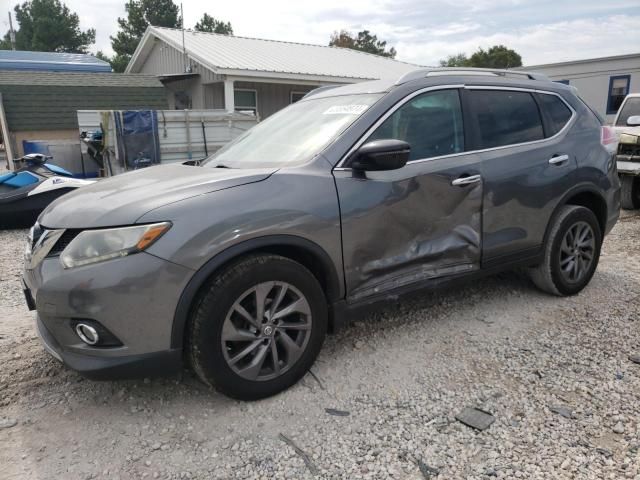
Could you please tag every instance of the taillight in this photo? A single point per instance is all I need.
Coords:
(608, 139)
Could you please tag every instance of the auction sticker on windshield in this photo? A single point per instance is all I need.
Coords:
(345, 109)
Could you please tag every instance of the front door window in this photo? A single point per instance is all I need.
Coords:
(430, 123)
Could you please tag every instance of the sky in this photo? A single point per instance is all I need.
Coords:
(422, 31)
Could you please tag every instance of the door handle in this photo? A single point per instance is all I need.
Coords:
(462, 181)
(558, 159)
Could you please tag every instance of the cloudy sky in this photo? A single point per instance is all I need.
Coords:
(422, 31)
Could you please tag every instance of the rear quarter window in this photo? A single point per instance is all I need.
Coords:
(558, 114)
(505, 117)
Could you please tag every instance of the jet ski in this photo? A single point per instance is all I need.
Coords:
(25, 192)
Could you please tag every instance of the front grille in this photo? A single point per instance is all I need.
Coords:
(64, 240)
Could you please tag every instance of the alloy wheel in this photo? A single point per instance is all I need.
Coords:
(266, 331)
(577, 251)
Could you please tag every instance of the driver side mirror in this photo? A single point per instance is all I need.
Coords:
(379, 155)
(633, 121)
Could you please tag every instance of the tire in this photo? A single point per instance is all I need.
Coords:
(233, 352)
(629, 192)
(556, 274)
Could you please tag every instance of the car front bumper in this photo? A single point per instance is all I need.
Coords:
(133, 297)
(111, 368)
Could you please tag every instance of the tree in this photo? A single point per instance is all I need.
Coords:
(342, 39)
(497, 56)
(365, 41)
(100, 55)
(211, 25)
(140, 14)
(49, 26)
(459, 60)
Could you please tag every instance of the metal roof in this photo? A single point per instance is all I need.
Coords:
(51, 61)
(242, 56)
(77, 79)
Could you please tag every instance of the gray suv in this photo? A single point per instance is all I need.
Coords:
(240, 264)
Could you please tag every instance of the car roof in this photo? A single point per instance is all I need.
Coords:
(439, 76)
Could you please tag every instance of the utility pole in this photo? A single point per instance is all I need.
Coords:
(184, 50)
(12, 33)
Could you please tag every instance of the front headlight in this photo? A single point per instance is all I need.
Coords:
(91, 246)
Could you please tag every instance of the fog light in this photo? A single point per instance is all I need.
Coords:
(94, 333)
(87, 334)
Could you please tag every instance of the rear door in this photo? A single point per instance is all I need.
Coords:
(526, 166)
(422, 221)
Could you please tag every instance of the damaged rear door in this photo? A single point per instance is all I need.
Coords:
(421, 222)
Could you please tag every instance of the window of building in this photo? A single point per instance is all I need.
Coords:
(430, 123)
(556, 111)
(295, 96)
(505, 117)
(618, 89)
(631, 108)
(182, 100)
(245, 100)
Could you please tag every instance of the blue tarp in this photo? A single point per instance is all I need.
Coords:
(140, 144)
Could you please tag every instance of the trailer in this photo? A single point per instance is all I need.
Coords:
(115, 141)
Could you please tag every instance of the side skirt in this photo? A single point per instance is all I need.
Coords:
(344, 311)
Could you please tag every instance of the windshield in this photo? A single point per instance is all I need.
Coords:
(630, 108)
(293, 135)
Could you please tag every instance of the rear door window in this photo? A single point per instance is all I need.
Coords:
(558, 114)
(505, 117)
(430, 123)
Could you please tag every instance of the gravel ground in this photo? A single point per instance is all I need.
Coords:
(555, 373)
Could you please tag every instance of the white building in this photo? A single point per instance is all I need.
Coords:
(601, 82)
(215, 71)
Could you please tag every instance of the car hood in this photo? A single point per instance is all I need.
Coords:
(123, 199)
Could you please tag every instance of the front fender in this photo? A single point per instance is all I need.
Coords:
(295, 210)
(183, 309)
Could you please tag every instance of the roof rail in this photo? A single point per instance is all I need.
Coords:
(464, 71)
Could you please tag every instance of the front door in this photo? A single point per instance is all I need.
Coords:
(421, 222)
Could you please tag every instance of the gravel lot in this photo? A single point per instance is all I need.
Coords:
(554, 372)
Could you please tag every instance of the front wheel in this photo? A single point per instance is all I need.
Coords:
(258, 327)
(571, 252)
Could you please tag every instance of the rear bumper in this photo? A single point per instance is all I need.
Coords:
(112, 368)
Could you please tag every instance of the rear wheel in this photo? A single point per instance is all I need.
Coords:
(571, 253)
(629, 192)
(258, 327)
